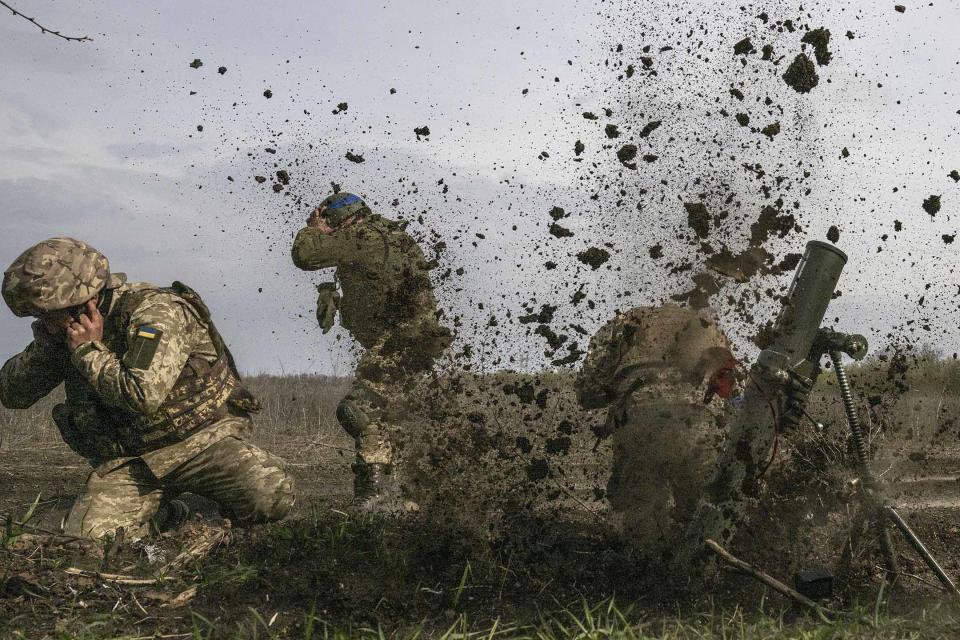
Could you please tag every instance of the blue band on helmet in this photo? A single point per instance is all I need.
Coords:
(350, 199)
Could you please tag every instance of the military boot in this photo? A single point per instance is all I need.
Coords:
(171, 515)
(376, 489)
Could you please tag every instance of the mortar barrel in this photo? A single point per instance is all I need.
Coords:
(807, 300)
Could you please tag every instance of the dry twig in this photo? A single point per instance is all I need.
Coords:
(44, 29)
(112, 577)
(770, 581)
(211, 540)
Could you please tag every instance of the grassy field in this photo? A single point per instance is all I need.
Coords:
(514, 543)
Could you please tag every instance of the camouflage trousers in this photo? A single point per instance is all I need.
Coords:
(663, 449)
(378, 401)
(249, 484)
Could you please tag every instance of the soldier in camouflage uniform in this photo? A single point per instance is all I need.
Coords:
(388, 305)
(660, 371)
(153, 398)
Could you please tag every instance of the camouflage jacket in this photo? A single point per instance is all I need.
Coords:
(154, 380)
(665, 354)
(383, 274)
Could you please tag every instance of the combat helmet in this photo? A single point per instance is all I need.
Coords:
(341, 206)
(55, 274)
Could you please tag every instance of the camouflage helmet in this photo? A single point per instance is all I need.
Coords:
(54, 274)
(341, 206)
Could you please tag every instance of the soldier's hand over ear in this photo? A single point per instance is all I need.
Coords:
(88, 328)
(318, 222)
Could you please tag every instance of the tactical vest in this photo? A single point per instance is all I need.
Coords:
(203, 393)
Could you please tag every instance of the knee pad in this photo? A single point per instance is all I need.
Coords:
(273, 500)
(353, 420)
(284, 497)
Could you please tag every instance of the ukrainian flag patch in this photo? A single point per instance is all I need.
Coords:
(143, 347)
(150, 333)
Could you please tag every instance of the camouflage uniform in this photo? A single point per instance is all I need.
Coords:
(657, 369)
(156, 406)
(389, 307)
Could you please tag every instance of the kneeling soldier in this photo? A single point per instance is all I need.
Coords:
(658, 369)
(153, 398)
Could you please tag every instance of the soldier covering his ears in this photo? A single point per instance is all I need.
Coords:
(388, 305)
(153, 398)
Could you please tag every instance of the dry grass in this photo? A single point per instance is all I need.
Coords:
(299, 413)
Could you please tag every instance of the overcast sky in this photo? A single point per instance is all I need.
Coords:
(100, 140)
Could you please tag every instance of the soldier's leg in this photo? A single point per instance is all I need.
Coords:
(127, 497)
(250, 484)
(363, 414)
(690, 453)
(638, 491)
(363, 411)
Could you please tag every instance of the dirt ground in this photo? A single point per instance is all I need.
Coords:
(520, 528)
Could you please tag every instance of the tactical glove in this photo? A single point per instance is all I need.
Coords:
(328, 302)
(796, 395)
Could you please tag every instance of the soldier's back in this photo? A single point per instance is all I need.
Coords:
(651, 366)
(388, 283)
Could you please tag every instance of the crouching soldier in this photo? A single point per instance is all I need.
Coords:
(153, 398)
(664, 373)
(388, 305)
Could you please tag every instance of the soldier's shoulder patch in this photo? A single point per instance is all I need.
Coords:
(143, 346)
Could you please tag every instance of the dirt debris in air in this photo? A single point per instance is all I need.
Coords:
(819, 39)
(771, 130)
(741, 266)
(559, 231)
(743, 47)
(627, 154)
(196, 64)
(932, 205)
(801, 74)
(771, 221)
(724, 173)
(649, 128)
(595, 257)
(698, 218)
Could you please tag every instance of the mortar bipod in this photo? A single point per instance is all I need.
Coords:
(873, 502)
